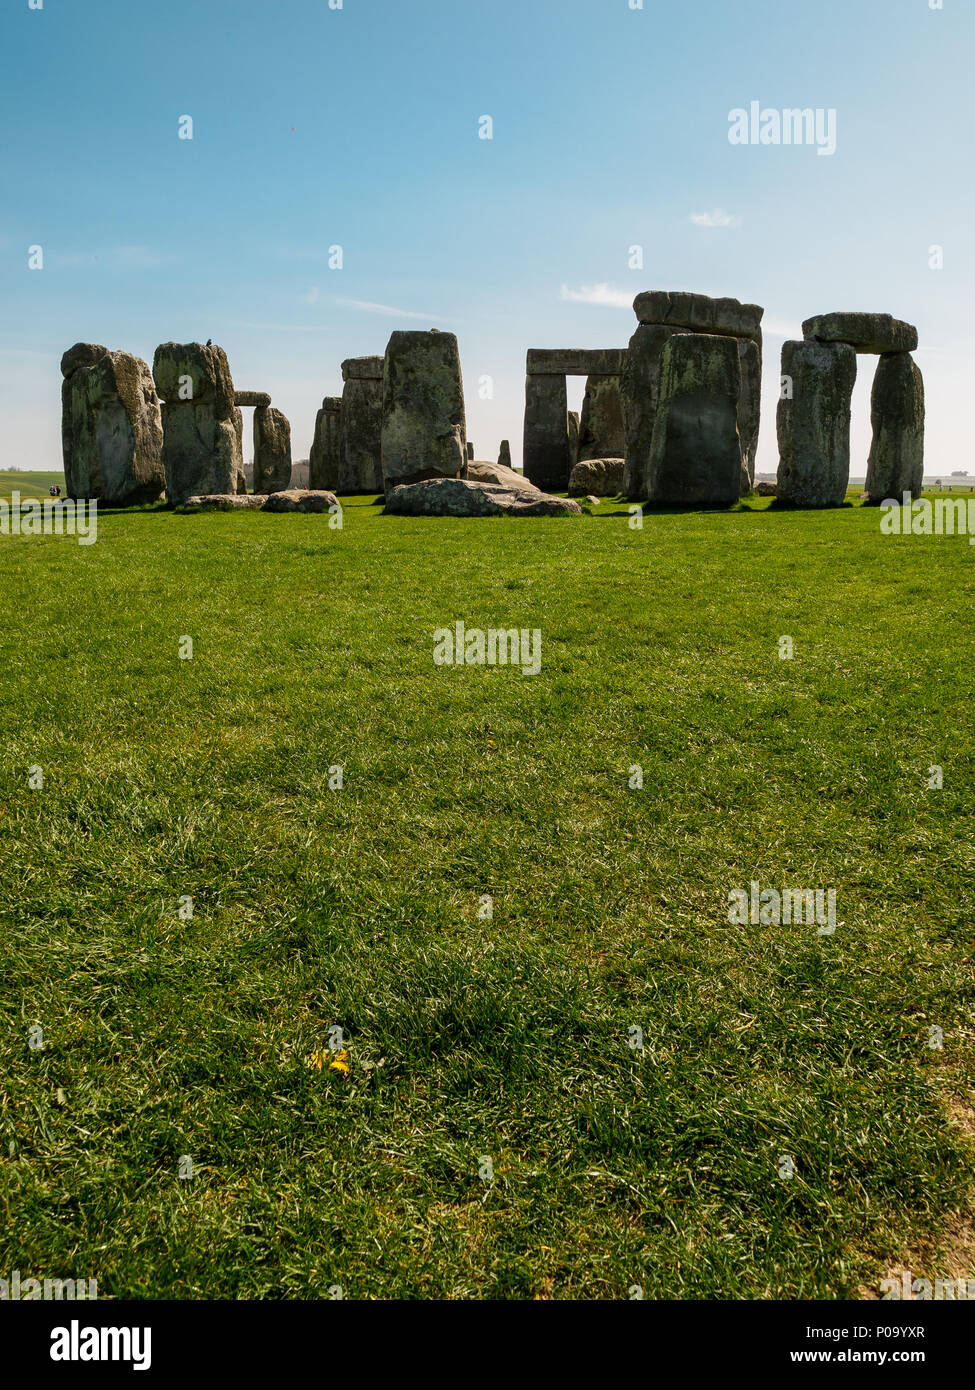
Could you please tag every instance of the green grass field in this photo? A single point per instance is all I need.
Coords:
(167, 1037)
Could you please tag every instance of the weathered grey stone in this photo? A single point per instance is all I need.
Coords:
(360, 458)
(572, 424)
(575, 361)
(255, 398)
(81, 355)
(545, 448)
(324, 459)
(814, 425)
(462, 497)
(300, 500)
(896, 463)
(497, 473)
(504, 455)
(749, 407)
(201, 422)
(766, 490)
(699, 313)
(874, 333)
(470, 451)
(598, 478)
(424, 432)
(695, 453)
(111, 428)
(222, 502)
(601, 431)
(272, 450)
(362, 369)
(640, 397)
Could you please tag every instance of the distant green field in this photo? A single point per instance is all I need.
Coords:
(189, 908)
(29, 484)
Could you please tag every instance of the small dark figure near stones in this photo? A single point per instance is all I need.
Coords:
(209, 342)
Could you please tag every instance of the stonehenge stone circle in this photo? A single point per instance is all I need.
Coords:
(201, 448)
(424, 430)
(272, 450)
(896, 463)
(111, 427)
(662, 315)
(360, 459)
(324, 459)
(695, 453)
(598, 478)
(814, 425)
(462, 497)
(601, 432)
(504, 454)
(550, 434)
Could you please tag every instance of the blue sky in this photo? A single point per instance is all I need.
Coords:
(358, 127)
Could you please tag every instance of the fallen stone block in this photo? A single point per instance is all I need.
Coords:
(599, 478)
(461, 497)
(300, 500)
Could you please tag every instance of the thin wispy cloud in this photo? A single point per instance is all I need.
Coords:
(602, 294)
(367, 307)
(718, 217)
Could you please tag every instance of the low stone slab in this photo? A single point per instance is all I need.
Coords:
(699, 312)
(255, 398)
(875, 333)
(479, 471)
(766, 490)
(598, 478)
(300, 500)
(461, 497)
(222, 502)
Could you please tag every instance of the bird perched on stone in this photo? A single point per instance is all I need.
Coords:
(209, 342)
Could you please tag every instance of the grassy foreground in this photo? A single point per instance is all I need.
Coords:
(169, 1037)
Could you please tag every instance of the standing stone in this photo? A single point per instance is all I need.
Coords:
(470, 452)
(201, 424)
(896, 463)
(749, 407)
(601, 432)
(695, 454)
(111, 428)
(324, 459)
(504, 454)
(640, 397)
(573, 427)
(814, 425)
(361, 468)
(545, 448)
(424, 430)
(272, 450)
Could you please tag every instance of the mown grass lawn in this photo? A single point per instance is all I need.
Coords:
(469, 1037)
